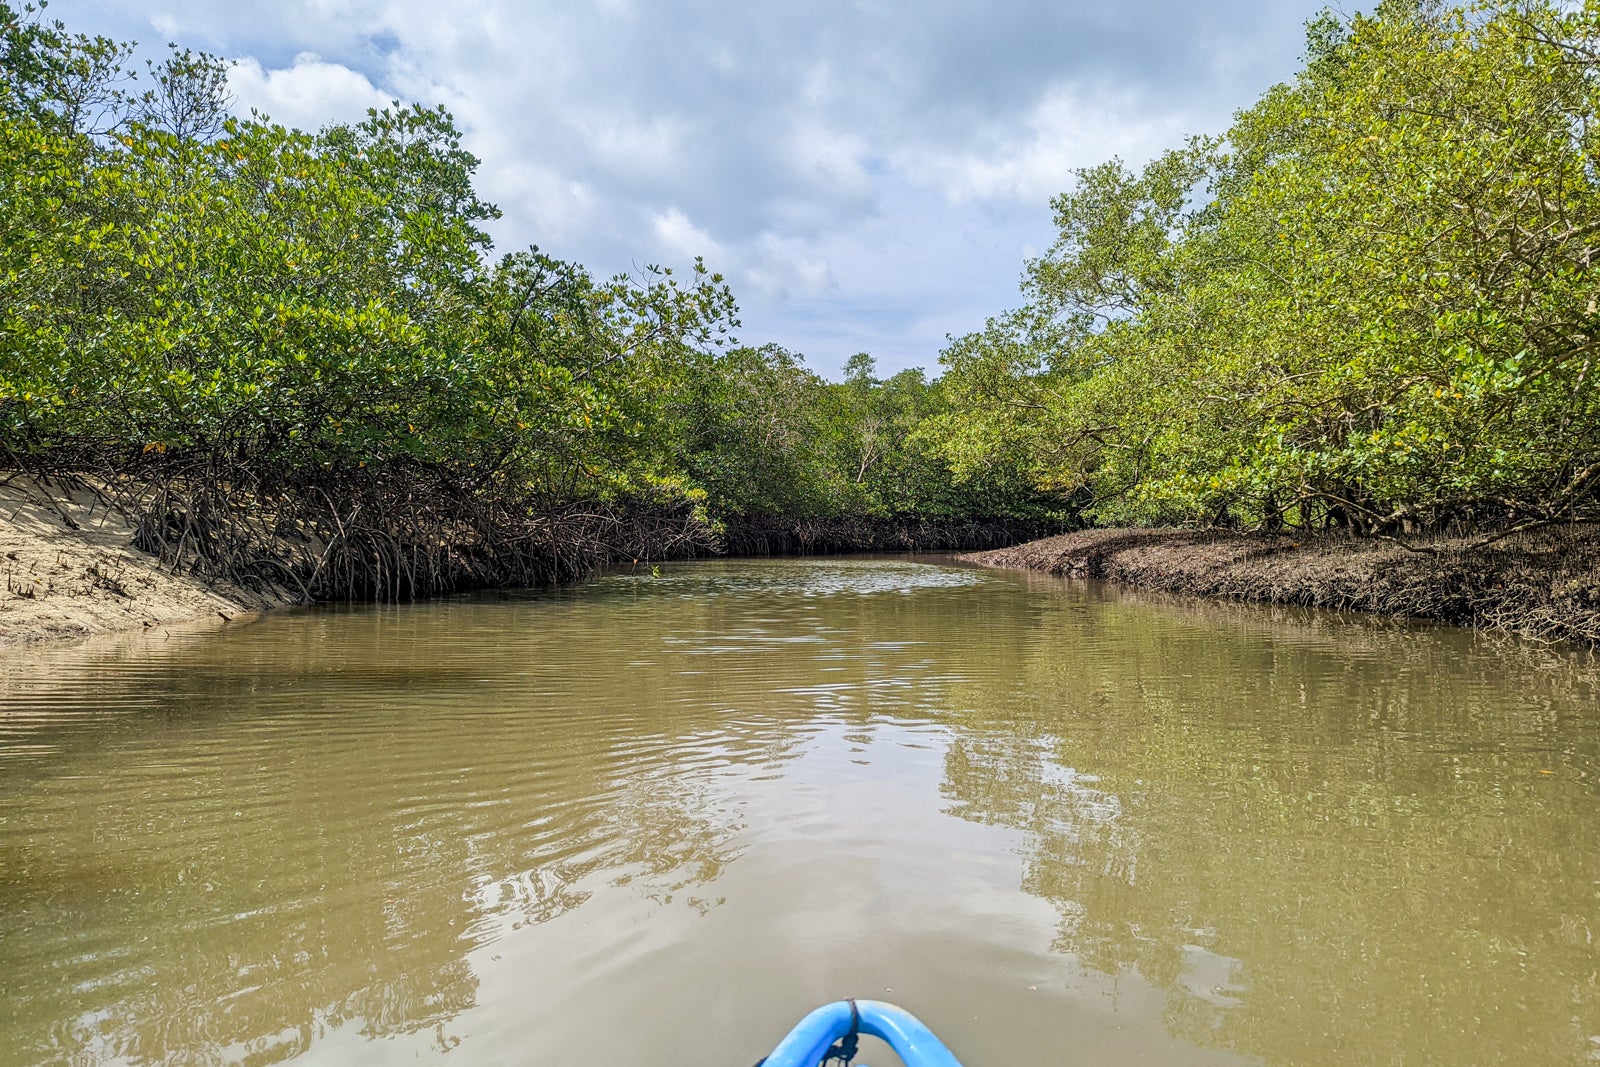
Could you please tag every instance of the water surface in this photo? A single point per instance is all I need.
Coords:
(656, 819)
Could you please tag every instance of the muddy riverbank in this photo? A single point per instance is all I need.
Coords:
(68, 569)
(1543, 585)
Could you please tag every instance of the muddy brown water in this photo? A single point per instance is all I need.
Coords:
(654, 820)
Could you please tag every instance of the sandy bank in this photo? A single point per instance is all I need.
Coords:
(1543, 585)
(68, 570)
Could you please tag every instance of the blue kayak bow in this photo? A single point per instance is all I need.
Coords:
(829, 1033)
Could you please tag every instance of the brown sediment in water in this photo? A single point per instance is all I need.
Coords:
(68, 569)
(1541, 584)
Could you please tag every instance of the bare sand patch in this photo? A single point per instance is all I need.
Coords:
(68, 569)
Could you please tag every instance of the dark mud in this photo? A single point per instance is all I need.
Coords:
(1543, 585)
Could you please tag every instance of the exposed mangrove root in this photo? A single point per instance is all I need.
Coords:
(410, 530)
(394, 534)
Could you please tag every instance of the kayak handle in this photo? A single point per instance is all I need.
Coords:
(812, 1036)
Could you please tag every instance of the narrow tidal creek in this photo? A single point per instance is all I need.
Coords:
(654, 820)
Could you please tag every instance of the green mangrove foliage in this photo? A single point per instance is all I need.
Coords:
(295, 357)
(790, 460)
(309, 300)
(1370, 305)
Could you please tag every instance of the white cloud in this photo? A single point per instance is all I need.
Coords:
(682, 240)
(653, 144)
(1067, 129)
(539, 203)
(782, 268)
(830, 159)
(310, 94)
(772, 267)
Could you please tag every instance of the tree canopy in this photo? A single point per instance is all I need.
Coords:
(233, 311)
(1370, 304)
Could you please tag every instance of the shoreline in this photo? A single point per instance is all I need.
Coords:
(1543, 585)
(69, 571)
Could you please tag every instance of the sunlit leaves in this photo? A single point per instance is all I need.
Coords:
(1372, 304)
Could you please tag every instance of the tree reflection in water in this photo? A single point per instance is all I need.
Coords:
(1366, 844)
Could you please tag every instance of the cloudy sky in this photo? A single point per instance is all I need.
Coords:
(869, 175)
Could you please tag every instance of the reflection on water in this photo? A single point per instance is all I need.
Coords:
(659, 818)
